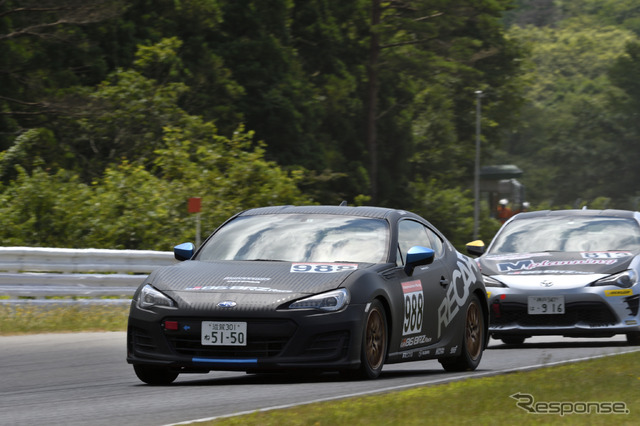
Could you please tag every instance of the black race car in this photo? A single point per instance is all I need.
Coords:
(323, 288)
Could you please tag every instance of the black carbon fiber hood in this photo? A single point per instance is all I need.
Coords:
(608, 262)
(253, 285)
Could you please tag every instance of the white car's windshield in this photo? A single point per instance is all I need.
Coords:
(567, 233)
(299, 238)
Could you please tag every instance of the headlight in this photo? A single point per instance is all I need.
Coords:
(491, 282)
(331, 301)
(149, 297)
(624, 279)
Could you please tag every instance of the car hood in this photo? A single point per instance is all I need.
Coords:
(248, 283)
(556, 263)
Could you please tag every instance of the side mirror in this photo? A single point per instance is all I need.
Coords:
(417, 256)
(476, 248)
(184, 251)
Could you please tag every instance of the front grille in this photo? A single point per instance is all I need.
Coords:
(265, 338)
(592, 314)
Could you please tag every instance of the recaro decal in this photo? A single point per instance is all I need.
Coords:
(457, 292)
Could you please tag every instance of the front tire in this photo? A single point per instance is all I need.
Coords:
(374, 346)
(155, 376)
(473, 341)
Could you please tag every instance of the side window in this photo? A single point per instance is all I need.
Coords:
(436, 243)
(411, 234)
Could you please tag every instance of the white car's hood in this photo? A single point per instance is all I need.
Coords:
(548, 281)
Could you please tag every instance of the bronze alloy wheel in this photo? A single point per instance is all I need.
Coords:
(474, 330)
(376, 338)
(473, 340)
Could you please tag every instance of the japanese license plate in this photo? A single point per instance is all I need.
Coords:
(546, 305)
(220, 333)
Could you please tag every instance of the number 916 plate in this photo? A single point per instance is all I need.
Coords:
(546, 305)
(220, 333)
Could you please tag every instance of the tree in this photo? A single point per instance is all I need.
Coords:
(123, 117)
(144, 157)
(623, 14)
(570, 132)
(42, 49)
(330, 41)
(215, 92)
(164, 77)
(623, 74)
(539, 13)
(459, 47)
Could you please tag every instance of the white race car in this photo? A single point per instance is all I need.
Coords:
(567, 272)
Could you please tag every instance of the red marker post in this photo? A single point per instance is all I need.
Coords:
(194, 206)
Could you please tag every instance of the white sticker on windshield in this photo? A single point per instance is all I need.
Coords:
(323, 268)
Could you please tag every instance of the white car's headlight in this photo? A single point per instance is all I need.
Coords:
(492, 282)
(624, 279)
(331, 301)
(149, 297)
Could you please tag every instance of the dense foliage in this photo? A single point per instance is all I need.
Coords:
(113, 114)
(578, 132)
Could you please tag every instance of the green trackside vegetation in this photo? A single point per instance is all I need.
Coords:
(614, 379)
(31, 318)
(125, 109)
(484, 401)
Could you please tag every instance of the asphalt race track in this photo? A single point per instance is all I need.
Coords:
(83, 379)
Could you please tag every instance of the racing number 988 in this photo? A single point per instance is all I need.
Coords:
(413, 311)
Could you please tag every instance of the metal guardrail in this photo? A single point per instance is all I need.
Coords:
(38, 272)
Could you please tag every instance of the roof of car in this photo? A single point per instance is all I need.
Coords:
(372, 212)
(582, 212)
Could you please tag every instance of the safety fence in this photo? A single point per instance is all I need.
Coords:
(33, 274)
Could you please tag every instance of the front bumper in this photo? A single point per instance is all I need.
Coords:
(296, 339)
(590, 312)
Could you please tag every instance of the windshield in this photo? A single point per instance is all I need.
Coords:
(567, 233)
(299, 238)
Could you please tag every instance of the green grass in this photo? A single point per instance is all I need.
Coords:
(478, 401)
(28, 318)
(482, 401)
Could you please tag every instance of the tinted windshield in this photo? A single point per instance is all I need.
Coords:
(566, 233)
(299, 238)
